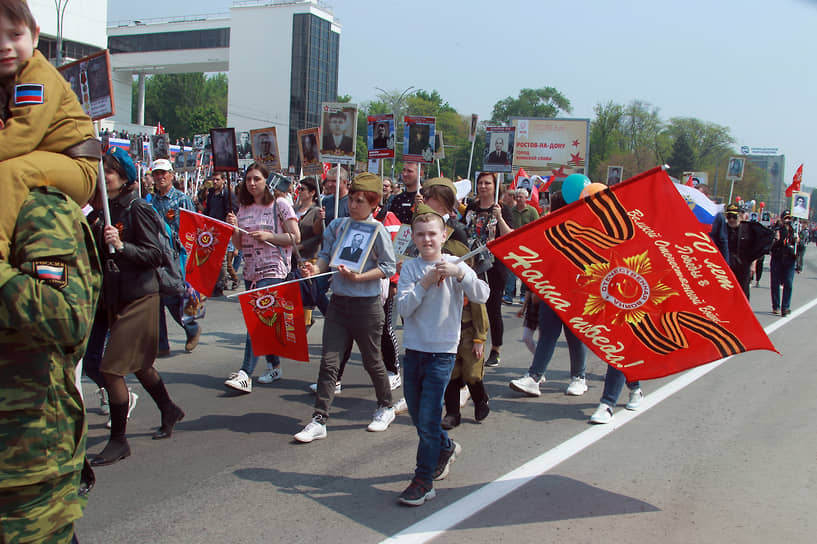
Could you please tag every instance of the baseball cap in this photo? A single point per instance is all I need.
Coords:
(161, 164)
(785, 214)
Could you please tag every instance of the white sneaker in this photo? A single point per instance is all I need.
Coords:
(273, 374)
(313, 431)
(577, 387)
(394, 380)
(465, 394)
(527, 385)
(382, 417)
(239, 381)
(400, 406)
(603, 414)
(314, 388)
(132, 398)
(104, 409)
(636, 396)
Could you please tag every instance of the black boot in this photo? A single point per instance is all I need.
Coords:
(171, 414)
(452, 404)
(480, 397)
(117, 447)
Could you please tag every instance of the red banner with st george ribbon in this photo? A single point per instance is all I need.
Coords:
(632, 274)
(275, 321)
(205, 239)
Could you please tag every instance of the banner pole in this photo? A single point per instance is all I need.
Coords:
(284, 283)
(337, 190)
(731, 187)
(470, 159)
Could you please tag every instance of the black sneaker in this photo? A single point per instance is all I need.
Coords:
(493, 359)
(446, 458)
(450, 421)
(417, 493)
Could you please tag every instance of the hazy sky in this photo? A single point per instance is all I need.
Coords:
(750, 65)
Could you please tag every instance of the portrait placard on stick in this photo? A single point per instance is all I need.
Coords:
(159, 147)
(356, 243)
(499, 144)
(225, 158)
(308, 147)
(338, 130)
(439, 148)
(90, 79)
(735, 169)
(418, 139)
(380, 136)
(614, 175)
(265, 147)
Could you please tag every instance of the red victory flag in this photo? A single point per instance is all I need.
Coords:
(205, 239)
(159, 128)
(690, 183)
(634, 275)
(795, 182)
(275, 321)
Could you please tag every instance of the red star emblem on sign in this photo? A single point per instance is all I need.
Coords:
(559, 172)
(576, 157)
(575, 143)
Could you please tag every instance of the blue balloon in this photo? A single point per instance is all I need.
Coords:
(573, 185)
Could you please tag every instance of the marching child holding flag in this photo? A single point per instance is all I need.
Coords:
(430, 299)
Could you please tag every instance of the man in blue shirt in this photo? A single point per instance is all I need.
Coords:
(167, 200)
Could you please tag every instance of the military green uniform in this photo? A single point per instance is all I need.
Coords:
(48, 295)
(45, 125)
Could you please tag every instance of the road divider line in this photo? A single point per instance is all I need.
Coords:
(466, 507)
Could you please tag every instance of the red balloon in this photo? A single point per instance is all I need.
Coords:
(737, 199)
(762, 204)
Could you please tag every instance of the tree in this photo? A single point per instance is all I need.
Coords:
(642, 135)
(186, 104)
(544, 102)
(708, 141)
(682, 158)
(605, 136)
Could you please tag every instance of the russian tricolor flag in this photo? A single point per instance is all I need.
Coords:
(28, 93)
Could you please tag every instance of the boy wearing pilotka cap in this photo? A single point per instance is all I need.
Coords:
(45, 136)
(430, 299)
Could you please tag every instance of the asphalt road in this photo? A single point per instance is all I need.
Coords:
(726, 457)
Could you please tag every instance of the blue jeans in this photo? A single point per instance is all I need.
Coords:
(174, 305)
(550, 327)
(425, 377)
(613, 384)
(782, 276)
(250, 360)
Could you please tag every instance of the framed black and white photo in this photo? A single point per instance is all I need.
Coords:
(614, 174)
(159, 147)
(734, 170)
(90, 79)
(356, 243)
(225, 158)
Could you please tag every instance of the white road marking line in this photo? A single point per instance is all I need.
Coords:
(464, 508)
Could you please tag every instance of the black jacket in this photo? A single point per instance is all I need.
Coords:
(139, 257)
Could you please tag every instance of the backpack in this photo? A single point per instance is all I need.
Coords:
(171, 272)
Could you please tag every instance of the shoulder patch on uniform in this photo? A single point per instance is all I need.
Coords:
(51, 272)
(28, 93)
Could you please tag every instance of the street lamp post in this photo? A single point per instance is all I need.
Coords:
(60, 5)
(397, 107)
